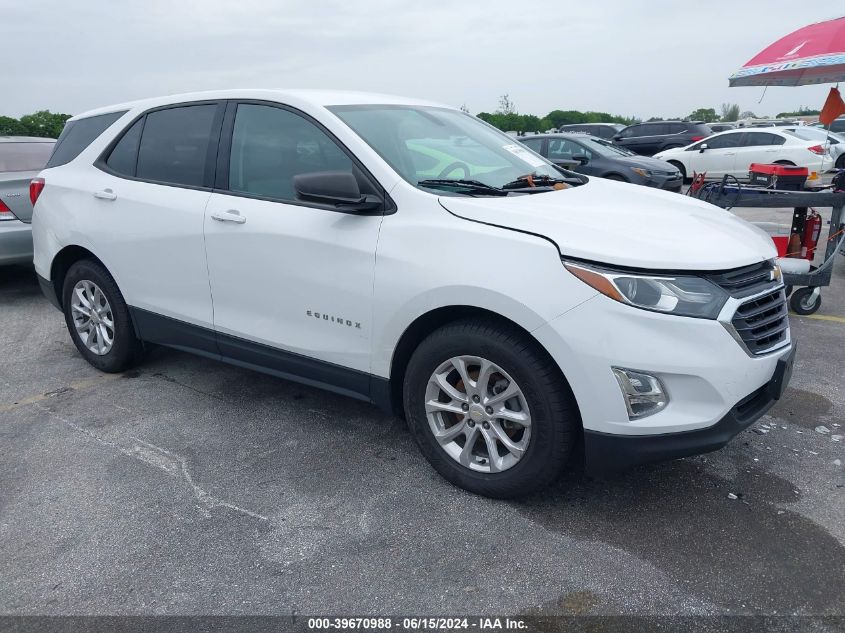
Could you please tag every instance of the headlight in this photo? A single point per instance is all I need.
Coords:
(645, 173)
(672, 294)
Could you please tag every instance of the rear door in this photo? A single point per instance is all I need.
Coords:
(756, 147)
(20, 162)
(290, 279)
(146, 205)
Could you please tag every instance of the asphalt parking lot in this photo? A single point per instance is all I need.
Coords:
(192, 487)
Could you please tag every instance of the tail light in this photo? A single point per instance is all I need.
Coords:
(36, 186)
(817, 149)
(5, 212)
(695, 139)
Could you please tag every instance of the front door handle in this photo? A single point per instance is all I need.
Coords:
(231, 215)
(105, 194)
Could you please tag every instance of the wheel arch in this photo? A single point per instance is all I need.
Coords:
(62, 262)
(679, 165)
(434, 319)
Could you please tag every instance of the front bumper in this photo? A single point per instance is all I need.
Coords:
(15, 242)
(609, 454)
(667, 183)
(704, 370)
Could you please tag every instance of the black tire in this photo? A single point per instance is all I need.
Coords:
(680, 168)
(788, 290)
(840, 162)
(617, 178)
(126, 348)
(555, 419)
(784, 162)
(799, 301)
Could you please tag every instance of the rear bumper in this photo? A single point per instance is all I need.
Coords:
(15, 242)
(49, 291)
(608, 454)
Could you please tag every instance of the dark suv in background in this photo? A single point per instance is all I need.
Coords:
(655, 136)
(602, 130)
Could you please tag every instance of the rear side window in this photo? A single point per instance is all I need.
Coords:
(754, 139)
(123, 159)
(24, 156)
(79, 134)
(174, 145)
(534, 143)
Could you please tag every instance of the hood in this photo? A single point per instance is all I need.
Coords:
(626, 225)
(655, 164)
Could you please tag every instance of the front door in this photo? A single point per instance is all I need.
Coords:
(718, 157)
(291, 282)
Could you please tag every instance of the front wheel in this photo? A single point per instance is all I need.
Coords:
(98, 319)
(489, 409)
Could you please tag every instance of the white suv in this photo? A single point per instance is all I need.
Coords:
(410, 255)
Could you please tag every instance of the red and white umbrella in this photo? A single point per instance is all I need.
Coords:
(814, 54)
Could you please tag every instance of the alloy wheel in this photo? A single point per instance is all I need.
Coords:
(92, 317)
(478, 414)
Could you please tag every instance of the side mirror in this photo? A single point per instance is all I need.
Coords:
(702, 147)
(338, 188)
(581, 158)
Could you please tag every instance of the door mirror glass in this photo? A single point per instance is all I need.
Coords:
(339, 188)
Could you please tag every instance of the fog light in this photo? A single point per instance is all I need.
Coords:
(644, 394)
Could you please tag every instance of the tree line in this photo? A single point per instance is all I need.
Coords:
(42, 123)
(507, 118)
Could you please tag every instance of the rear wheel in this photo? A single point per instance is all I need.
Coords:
(840, 162)
(617, 178)
(98, 319)
(784, 162)
(489, 409)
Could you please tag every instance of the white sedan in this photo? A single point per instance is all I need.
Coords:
(733, 152)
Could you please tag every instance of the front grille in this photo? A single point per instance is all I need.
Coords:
(762, 322)
(745, 281)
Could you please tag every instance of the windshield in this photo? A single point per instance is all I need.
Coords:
(425, 143)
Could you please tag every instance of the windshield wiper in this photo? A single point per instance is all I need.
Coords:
(473, 186)
(535, 181)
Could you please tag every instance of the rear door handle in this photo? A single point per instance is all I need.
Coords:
(231, 215)
(105, 194)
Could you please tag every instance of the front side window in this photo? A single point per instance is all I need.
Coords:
(24, 156)
(723, 141)
(271, 145)
(174, 145)
(464, 147)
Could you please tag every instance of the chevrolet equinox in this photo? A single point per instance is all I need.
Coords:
(408, 254)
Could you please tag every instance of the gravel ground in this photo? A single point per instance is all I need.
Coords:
(192, 487)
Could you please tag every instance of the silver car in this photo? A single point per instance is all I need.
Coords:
(21, 158)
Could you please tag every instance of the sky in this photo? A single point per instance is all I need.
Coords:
(635, 58)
